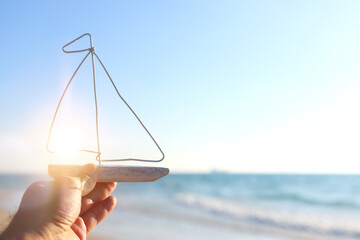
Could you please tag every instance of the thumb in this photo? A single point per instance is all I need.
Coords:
(88, 178)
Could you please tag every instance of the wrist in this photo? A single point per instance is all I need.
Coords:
(10, 234)
(20, 230)
(21, 235)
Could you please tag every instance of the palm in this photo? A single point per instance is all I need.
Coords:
(62, 211)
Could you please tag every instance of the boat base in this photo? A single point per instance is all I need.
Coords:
(113, 173)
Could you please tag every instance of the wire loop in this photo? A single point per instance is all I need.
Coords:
(81, 50)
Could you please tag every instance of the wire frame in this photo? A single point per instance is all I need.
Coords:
(91, 51)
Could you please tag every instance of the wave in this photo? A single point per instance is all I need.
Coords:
(297, 198)
(323, 225)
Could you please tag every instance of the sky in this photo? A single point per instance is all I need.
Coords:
(235, 86)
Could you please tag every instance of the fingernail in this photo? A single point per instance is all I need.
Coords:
(110, 203)
(88, 176)
(88, 169)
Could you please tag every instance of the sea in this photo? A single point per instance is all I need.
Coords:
(225, 206)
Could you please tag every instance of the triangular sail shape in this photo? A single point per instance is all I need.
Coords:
(97, 151)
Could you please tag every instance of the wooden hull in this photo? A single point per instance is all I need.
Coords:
(113, 173)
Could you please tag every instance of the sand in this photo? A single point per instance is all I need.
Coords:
(5, 218)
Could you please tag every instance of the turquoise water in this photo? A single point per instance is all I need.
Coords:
(320, 205)
(316, 205)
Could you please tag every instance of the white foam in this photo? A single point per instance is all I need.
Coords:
(285, 219)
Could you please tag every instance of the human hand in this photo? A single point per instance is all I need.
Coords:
(67, 208)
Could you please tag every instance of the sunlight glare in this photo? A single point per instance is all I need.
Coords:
(66, 143)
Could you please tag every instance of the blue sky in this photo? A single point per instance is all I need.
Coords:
(244, 86)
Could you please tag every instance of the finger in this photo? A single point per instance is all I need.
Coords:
(95, 215)
(68, 195)
(84, 182)
(69, 235)
(99, 193)
(88, 177)
(79, 228)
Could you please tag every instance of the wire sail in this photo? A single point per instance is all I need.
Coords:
(91, 51)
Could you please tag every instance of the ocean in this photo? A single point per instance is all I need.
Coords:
(225, 206)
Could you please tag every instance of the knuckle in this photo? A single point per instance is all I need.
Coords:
(109, 188)
(70, 182)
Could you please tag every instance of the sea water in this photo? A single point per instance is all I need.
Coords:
(227, 206)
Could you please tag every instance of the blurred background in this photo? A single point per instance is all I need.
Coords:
(255, 105)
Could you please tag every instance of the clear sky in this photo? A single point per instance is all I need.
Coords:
(240, 86)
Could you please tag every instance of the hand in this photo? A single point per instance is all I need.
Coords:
(67, 208)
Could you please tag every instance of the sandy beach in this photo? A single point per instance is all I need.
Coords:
(191, 226)
(5, 217)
